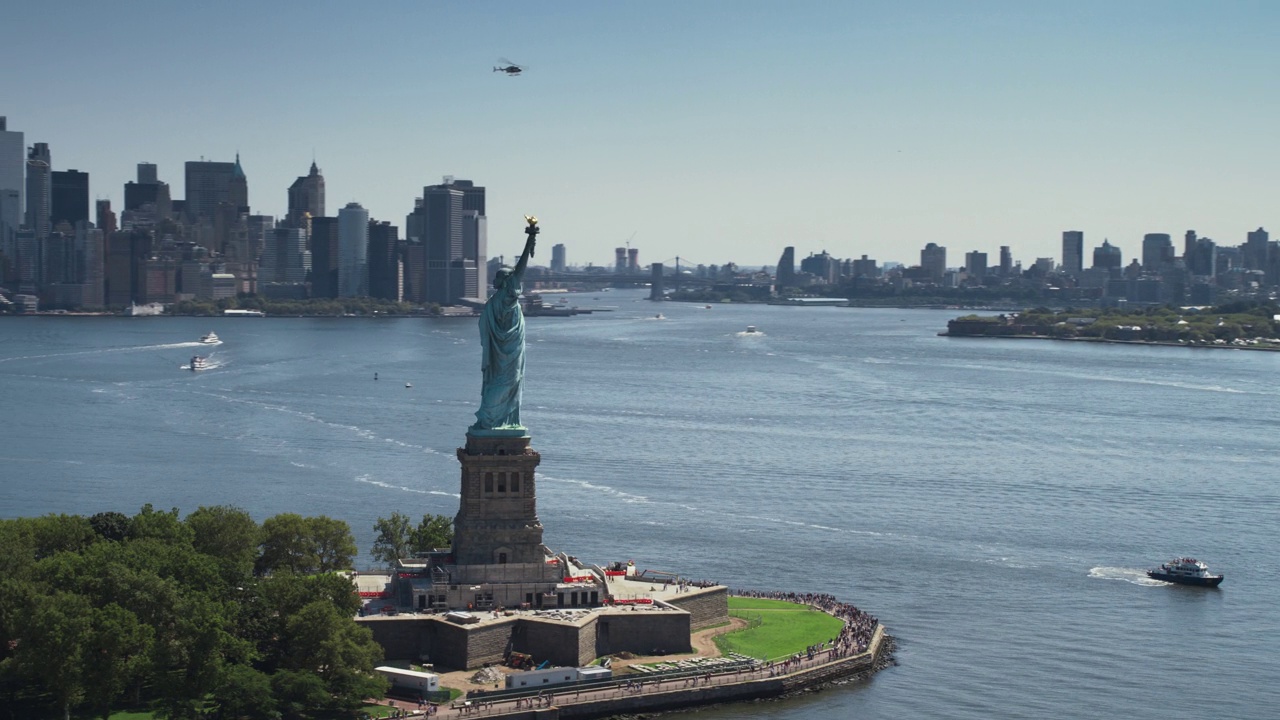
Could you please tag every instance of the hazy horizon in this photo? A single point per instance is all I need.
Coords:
(716, 131)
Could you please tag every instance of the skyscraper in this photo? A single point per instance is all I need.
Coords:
(1073, 252)
(384, 261)
(1107, 256)
(148, 189)
(442, 240)
(12, 168)
(324, 257)
(353, 251)
(475, 248)
(39, 190)
(1157, 250)
(212, 183)
(975, 263)
(306, 197)
(933, 260)
(105, 218)
(1255, 249)
(786, 275)
(69, 197)
(557, 258)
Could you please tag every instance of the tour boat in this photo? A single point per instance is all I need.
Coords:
(210, 339)
(1185, 571)
(751, 330)
(199, 363)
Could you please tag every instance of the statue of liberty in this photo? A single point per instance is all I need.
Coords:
(502, 348)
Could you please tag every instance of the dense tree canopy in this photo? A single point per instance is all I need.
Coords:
(207, 614)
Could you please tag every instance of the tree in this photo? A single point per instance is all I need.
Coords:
(110, 525)
(286, 545)
(335, 548)
(228, 534)
(435, 531)
(246, 693)
(51, 645)
(164, 526)
(117, 654)
(301, 545)
(394, 536)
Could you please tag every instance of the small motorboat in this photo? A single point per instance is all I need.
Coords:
(659, 316)
(1186, 571)
(751, 330)
(199, 363)
(408, 385)
(209, 339)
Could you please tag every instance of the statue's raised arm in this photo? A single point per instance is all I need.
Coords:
(531, 230)
(502, 347)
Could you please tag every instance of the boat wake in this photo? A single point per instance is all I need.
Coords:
(1129, 575)
(749, 334)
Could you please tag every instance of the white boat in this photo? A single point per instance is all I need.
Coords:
(199, 363)
(210, 339)
(751, 330)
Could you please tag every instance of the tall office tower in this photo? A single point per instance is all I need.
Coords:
(1006, 261)
(975, 263)
(257, 228)
(633, 260)
(1255, 250)
(786, 275)
(1073, 252)
(10, 221)
(472, 194)
(475, 249)
(1157, 250)
(212, 183)
(324, 257)
(91, 249)
(443, 243)
(1203, 259)
(824, 267)
(39, 190)
(148, 189)
(285, 259)
(306, 198)
(1107, 256)
(620, 260)
(384, 260)
(353, 251)
(557, 258)
(12, 168)
(69, 197)
(105, 218)
(933, 260)
(1188, 246)
(27, 260)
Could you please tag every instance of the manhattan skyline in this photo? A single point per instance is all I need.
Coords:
(717, 132)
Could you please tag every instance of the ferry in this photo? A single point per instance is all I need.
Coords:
(1185, 571)
(199, 363)
(209, 339)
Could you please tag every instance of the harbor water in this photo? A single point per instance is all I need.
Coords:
(994, 502)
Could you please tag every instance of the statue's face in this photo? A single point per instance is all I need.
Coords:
(502, 278)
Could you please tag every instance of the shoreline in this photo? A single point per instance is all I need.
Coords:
(633, 696)
(1157, 343)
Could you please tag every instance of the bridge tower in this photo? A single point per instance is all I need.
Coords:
(655, 286)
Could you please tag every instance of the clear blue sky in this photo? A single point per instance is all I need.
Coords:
(712, 130)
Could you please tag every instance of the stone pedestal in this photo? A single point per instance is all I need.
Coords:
(497, 521)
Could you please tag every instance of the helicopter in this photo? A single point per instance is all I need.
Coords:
(508, 67)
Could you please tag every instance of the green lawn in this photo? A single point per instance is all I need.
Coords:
(783, 628)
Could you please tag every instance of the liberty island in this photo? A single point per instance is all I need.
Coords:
(498, 595)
